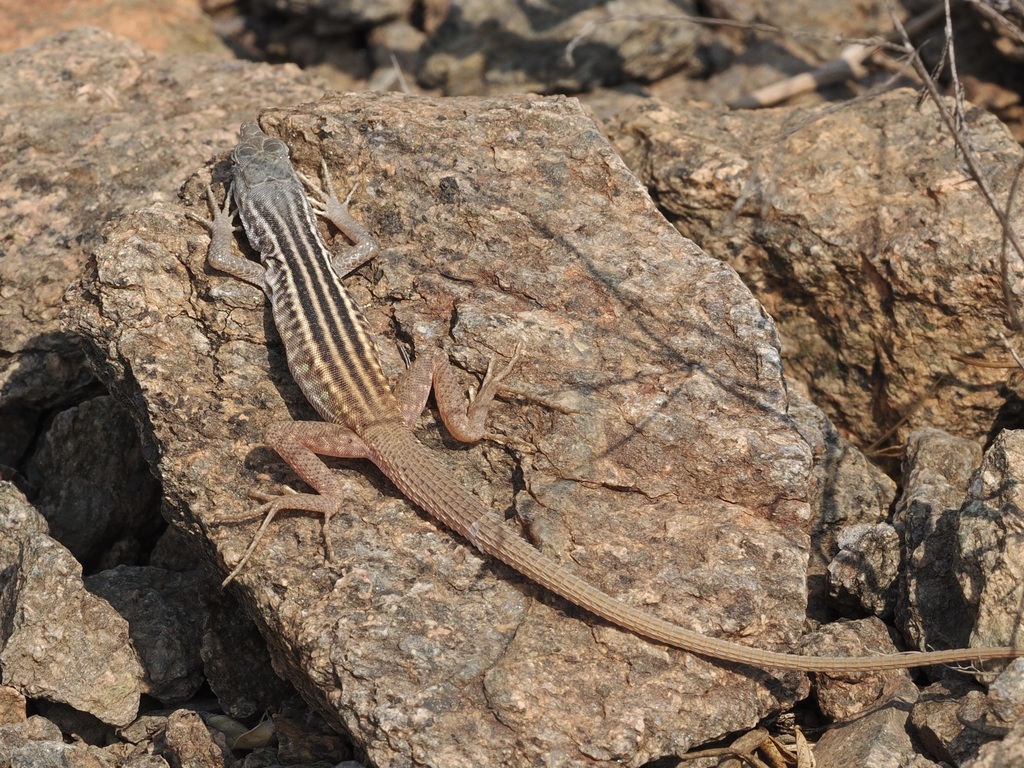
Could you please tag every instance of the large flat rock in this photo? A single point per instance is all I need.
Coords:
(643, 441)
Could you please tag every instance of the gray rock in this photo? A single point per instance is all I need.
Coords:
(854, 231)
(846, 489)
(56, 754)
(96, 489)
(34, 728)
(877, 738)
(12, 706)
(1006, 693)
(1005, 753)
(236, 663)
(936, 470)
(166, 612)
(499, 46)
(18, 521)
(350, 13)
(190, 743)
(841, 697)
(60, 643)
(939, 720)
(862, 577)
(990, 557)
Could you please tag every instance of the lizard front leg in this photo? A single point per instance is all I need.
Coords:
(220, 254)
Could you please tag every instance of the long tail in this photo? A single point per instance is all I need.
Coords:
(424, 479)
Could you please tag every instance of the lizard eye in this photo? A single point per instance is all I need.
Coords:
(242, 152)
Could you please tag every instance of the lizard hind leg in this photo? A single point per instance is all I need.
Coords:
(465, 421)
(298, 443)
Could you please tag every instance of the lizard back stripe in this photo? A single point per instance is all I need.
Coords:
(330, 348)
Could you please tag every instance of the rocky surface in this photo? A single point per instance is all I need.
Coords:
(1004, 753)
(840, 697)
(989, 555)
(942, 717)
(95, 128)
(59, 642)
(489, 48)
(100, 503)
(864, 239)
(862, 577)
(112, 128)
(846, 490)
(937, 468)
(94, 125)
(877, 737)
(601, 427)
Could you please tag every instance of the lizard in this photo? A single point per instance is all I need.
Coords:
(333, 356)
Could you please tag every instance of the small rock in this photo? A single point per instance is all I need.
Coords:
(190, 743)
(840, 696)
(990, 557)
(877, 738)
(165, 611)
(862, 577)
(936, 716)
(930, 608)
(61, 643)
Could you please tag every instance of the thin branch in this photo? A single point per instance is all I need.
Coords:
(1013, 352)
(848, 66)
(568, 55)
(1008, 26)
(1004, 254)
(970, 158)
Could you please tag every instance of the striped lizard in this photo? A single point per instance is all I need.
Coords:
(333, 357)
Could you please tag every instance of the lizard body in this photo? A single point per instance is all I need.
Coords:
(334, 358)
